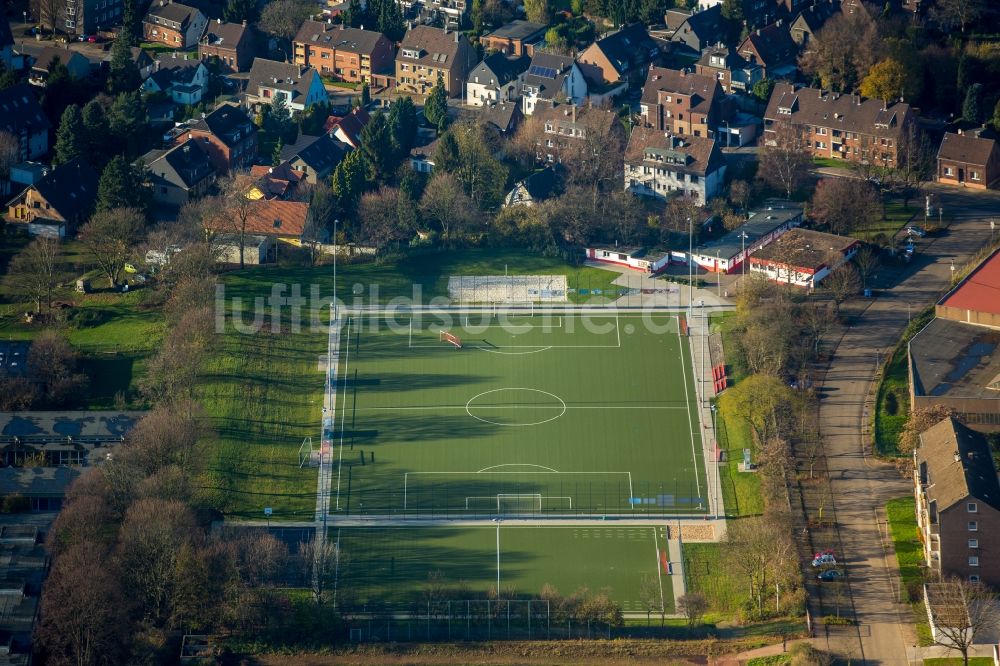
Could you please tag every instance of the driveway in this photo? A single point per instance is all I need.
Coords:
(861, 485)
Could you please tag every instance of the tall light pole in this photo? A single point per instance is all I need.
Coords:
(718, 273)
(498, 521)
(336, 251)
(690, 271)
(743, 254)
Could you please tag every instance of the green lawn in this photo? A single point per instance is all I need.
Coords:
(957, 661)
(896, 217)
(892, 399)
(525, 417)
(423, 275)
(395, 565)
(261, 394)
(708, 572)
(906, 539)
(832, 162)
(740, 491)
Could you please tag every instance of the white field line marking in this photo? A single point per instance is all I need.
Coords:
(347, 358)
(659, 574)
(534, 346)
(485, 469)
(467, 324)
(618, 330)
(432, 407)
(517, 353)
(687, 401)
(410, 339)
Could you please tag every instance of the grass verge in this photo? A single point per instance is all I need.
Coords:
(892, 400)
(906, 542)
(708, 572)
(424, 276)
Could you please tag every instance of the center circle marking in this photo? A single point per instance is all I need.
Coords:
(561, 406)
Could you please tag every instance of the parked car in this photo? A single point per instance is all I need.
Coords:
(83, 38)
(830, 575)
(914, 230)
(826, 557)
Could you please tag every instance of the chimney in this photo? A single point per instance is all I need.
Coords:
(244, 23)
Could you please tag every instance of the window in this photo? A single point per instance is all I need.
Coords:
(973, 543)
(974, 175)
(973, 578)
(971, 507)
(821, 131)
(973, 526)
(973, 561)
(948, 171)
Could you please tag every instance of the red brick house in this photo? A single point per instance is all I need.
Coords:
(227, 135)
(836, 125)
(958, 503)
(231, 44)
(680, 101)
(173, 24)
(970, 160)
(773, 48)
(348, 54)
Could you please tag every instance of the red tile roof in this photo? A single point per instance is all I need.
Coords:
(270, 218)
(980, 291)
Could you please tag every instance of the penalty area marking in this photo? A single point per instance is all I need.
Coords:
(406, 479)
(548, 469)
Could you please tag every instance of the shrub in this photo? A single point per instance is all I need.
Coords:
(15, 504)
(88, 317)
(804, 654)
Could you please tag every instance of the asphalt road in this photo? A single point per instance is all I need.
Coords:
(861, 486)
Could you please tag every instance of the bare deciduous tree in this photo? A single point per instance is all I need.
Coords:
(842, 283)
(111, 236)
(49, 13)
(844, 204)
(962, 612)
(319, 564)
(84, 618)
(867, 262)
(237, 205)
(151, 535)
(760, 548)
(785, 159)
(444, 202)
(386, 217)
(919, 420)
(34, 272)
(692, 606)
(52, 364)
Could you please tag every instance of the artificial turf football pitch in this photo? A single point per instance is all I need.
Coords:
(532, 414)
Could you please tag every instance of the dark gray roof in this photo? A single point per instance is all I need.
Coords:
(700, 155)
(173, 12)
(500, 114)
(37, 481)
(850, 113)
(518, 30)
(182, 166)
(70, 188)
(500, 67)
(20, 110)
(628, 48)
(228, 122)
(320, 153)
(959, 465)
(761, 224)
(339, 37)
(952, 359)
(47, 56)
(547, 72)
(280, 75)
(224, 35)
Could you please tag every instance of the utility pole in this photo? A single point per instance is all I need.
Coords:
(690, 272)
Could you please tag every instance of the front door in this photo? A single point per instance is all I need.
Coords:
(961, 175)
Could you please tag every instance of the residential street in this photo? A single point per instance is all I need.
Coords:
(861, 485)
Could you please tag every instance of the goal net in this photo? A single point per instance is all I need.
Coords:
(308, 456)
(451, 338)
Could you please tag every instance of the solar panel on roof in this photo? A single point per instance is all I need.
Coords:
(546, 72)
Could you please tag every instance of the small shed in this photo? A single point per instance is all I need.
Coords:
(639, 258)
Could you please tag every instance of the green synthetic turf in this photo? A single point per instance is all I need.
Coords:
(396, 565)
(565, 414)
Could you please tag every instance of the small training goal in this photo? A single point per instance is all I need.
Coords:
(451, 338)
